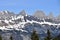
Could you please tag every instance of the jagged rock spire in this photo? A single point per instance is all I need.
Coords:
(22, 13)
(39, 14)
(50, 15)
(58, 17)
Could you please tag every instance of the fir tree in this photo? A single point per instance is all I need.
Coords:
(48, 36)
(11, 38)
(0, 37)
(55, 38)
(34, 35)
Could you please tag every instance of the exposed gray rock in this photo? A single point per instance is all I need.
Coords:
(39, 14)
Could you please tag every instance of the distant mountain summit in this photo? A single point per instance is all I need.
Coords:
(22, 13)
(58, 17)
(50, 15)
(39, 14)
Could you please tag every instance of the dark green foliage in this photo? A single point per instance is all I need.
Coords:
(55, 38)
(58, 37)
(11, 38)
(0, 37)
(34, 35)
(48, 36)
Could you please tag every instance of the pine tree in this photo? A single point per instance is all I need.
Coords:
(11, 38)
(34, 35)
(58, 37)
(48, 36)
(0, 37)
(55, 38)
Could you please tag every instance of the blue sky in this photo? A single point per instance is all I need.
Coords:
(30, 6)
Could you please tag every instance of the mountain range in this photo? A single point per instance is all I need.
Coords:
(20, 26)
